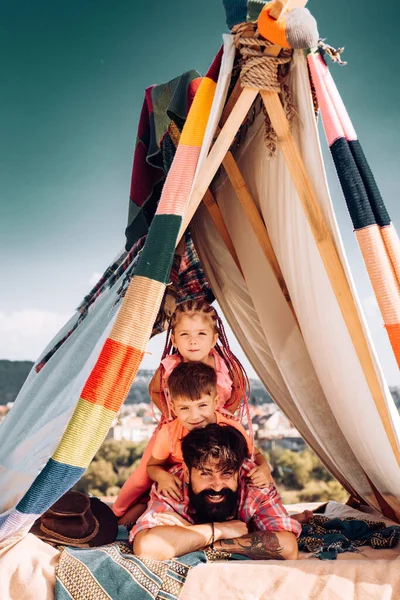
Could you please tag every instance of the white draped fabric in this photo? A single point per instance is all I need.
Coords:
(314, 375)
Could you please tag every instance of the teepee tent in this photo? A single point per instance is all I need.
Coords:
(266, 236)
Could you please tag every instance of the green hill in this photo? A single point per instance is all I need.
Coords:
(12, 377)
(14, 373)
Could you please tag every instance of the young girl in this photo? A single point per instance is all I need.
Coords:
(196, 334)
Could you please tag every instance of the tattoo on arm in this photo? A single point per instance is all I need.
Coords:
(260, 545)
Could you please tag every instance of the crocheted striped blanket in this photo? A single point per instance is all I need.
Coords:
(114, 572)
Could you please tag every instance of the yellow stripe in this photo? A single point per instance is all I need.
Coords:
(85, 433)
(138, 312)
(195, 126)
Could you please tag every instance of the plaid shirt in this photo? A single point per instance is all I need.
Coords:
(260, 508)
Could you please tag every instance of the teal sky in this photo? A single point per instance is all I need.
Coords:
(72, 81)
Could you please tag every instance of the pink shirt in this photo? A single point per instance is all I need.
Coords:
(224, 381)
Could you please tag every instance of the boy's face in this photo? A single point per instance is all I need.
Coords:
(193, 414)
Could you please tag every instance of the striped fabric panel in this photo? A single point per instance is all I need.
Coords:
(195, 127)
(120, 357)
(392, 243)
(133, 328)
(394, 335)
(80, 442)
(380, 272)
(377, 238)
(155, 262)
(374, 196)
(15, 522)
(53, 480)
(97, 387)
(177, 189)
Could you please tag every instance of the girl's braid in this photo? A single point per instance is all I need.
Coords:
(240, 383)
(165, 404)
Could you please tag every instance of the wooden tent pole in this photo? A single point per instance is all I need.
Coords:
(281, 6)
(247, 201)
(230, 103)
(216, 215)
(328, 252)
(256, 222)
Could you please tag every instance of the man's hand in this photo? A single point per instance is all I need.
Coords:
(230, 530)
(169, 485)
(260, 476)
(171, 518)
(226, 530)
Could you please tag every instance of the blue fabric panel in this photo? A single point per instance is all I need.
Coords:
(55, 479)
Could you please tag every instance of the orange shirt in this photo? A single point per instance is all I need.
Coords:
(168, 440)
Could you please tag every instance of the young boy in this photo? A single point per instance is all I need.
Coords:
(192, 388)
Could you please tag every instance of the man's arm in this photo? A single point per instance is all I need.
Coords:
(165, 542)
(263, 545)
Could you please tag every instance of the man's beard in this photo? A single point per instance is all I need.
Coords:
(203, 511)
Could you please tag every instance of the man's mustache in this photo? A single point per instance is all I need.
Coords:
(210, 492)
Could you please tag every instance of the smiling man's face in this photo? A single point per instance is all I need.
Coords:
(213, 492)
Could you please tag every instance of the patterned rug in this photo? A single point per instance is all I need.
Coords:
(113, 571)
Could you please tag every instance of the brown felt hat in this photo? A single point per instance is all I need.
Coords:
(77, 520)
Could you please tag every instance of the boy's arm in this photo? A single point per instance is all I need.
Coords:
(156, 468)
(261, 474)
(259, 458)
(167, 484)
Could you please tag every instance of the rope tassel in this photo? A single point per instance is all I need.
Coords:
(263, 71)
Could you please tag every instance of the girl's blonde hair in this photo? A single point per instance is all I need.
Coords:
(240, 382)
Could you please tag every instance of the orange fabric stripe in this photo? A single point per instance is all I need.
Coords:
(394, 337)
(381, 273)
(112, 376)
(392, 244)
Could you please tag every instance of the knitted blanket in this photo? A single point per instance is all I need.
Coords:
(164, 112)
(326, 537)
(114, 572)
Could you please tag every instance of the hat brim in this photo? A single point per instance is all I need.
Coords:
(107, 533)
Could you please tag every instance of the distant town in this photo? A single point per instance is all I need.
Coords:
(137, 420)
(297, 471)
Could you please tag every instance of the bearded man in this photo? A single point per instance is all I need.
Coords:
(219, 507)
